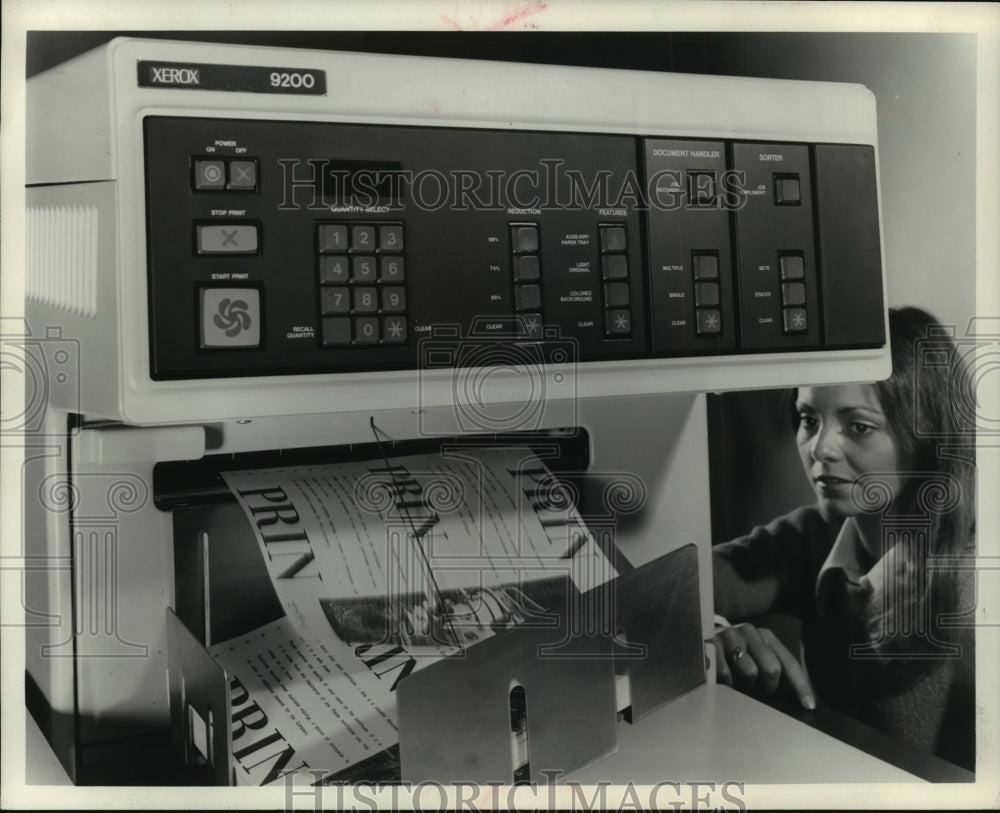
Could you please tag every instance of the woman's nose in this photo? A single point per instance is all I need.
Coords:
(826, 444)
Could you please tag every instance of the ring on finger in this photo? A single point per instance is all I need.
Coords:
(738, 653)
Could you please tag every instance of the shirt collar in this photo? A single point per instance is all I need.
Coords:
(845, 556)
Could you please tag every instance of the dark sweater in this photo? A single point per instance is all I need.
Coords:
(924, 695)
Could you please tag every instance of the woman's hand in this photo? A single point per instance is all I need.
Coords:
(754, 661)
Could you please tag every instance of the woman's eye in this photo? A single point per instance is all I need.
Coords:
(862, 428)
(806, 421)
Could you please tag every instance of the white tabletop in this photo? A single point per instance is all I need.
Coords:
(716, 733)
(710, 733)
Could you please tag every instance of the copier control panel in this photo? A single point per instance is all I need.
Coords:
(285, 247)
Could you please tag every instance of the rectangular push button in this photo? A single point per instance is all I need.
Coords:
(793, 293)
(616, 295)
(706, 294)
(792, 267)
(365, 300)
(526, 268)
(617, 322)
(531, 325)
(525, 239)
(787, 191)
(332, 239)
(333, 270)
(706, 266)
(335, 299)
(230, 317)
(613, 238)
(209, 175)
(394, 329)
(242, 175)
(336, 330)
(363, 238)
(529, 297)
(390, 238)
(795, 320)
(363, 269)
(709, 322)
(615, 266)
(393, 299)
(366, 329)
(227, 239)
(392, 269)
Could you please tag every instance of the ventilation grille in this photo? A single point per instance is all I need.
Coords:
(62, 257)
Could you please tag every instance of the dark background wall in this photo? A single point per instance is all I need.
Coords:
(925, 88)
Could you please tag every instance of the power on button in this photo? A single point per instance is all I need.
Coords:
(209, 175)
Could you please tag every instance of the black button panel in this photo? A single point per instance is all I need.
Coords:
(775, 238)
(614, 266)
(739, 247)
(707, 293)
(361, 275)
(525, 245)
(690, 256)
(213, 174)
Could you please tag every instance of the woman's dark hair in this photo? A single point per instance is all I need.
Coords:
(929, 403)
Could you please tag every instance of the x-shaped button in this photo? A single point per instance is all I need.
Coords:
(229, 238)
(242, 175)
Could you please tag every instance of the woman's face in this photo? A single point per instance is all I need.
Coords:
(843, 433)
